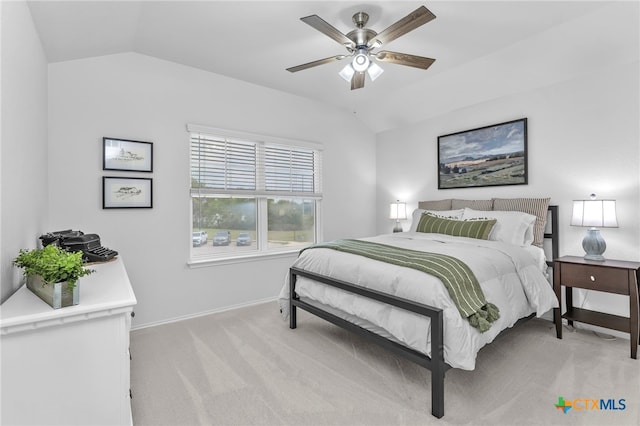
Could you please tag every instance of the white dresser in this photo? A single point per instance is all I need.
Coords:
(68, 366)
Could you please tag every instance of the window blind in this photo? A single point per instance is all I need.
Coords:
(221, 165)
(290, 170)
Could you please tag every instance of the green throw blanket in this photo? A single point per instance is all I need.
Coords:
(456, 275)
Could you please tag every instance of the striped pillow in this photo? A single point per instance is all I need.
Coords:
(535, 206)
(479, 229)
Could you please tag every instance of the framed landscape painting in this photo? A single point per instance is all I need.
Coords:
(487, 156)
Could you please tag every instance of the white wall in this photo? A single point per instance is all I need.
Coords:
(583, 137)
(23, 147)
(132, 96)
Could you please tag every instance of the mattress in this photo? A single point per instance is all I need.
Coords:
(511, 277)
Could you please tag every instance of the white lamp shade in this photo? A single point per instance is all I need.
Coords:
(398, 211)
(347, 72)
(594, 213)
(374, 71)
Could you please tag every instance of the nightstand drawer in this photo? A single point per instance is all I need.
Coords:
(593, 277)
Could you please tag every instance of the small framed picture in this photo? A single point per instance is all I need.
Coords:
(122, 154)
(127, 193)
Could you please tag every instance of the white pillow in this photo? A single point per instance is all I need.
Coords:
(447, 214)
(512, 227)
(529, 235)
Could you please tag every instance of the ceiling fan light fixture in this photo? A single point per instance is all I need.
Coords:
(374, 71)
(347, 73)
(360, 61)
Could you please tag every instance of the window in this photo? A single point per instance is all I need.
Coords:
(252, 194)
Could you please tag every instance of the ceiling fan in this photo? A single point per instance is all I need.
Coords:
(361, 42)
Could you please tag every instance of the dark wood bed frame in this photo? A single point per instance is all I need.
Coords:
(436, 362)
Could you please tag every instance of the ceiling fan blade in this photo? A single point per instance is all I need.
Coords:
(327, 29)
(357, 81)
(316, 63)
(405, 59)
(418, 17)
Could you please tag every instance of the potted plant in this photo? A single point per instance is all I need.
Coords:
(52, 273)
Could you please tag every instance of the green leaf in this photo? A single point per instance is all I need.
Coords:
(53, 264)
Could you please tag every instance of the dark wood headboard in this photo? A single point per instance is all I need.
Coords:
(554, 235)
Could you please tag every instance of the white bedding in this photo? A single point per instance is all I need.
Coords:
(512, 278)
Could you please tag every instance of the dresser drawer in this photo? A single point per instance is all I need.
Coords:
(594, 277)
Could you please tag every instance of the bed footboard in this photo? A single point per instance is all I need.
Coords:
(435, 363)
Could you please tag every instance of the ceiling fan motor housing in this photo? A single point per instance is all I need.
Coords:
(361, 36)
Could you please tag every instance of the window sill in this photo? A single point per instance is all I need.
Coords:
(192, 264)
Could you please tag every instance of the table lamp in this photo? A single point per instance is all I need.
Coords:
(398, 211)
(594, 214)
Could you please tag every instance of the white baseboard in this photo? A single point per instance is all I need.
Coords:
(201, 314)
(547, 316)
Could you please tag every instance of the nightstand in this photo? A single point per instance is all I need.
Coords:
(610, 276)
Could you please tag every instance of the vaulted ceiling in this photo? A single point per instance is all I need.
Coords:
(483, 49)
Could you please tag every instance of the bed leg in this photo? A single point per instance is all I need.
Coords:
(437, 366)
(292, 296)
(437, 396)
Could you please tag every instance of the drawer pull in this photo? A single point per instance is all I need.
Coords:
(593, 279)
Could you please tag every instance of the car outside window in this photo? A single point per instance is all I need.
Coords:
(199, 238)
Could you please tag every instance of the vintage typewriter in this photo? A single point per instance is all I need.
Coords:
(88, 244)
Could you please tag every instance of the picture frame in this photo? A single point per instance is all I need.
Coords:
(127, 192)
(127, 155)
(494, 155)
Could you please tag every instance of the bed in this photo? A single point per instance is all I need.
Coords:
(373, 287)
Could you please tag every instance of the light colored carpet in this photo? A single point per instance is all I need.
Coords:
(246, 367)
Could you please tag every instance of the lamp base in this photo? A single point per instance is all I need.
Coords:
(398, 227)
(596, 257)
(594, 245)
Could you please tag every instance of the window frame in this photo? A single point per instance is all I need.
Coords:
(260, 194)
